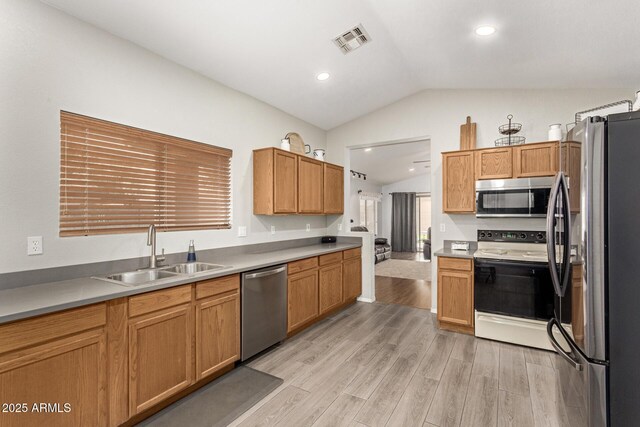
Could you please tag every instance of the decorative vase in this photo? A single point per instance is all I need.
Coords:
(636, 103)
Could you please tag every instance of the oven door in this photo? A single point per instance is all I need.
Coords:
(518, 202)
(514, 288)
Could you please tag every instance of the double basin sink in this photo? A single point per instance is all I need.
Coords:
(155, 275)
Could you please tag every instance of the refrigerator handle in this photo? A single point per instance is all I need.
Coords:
(551, 236)
(557, 346)
(566, 235)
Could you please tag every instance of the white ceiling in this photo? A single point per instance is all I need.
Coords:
(273, 50)
(386, 164)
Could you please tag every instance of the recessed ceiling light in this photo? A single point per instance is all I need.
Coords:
(366, 150)
(322, 76)
(485, 30)
(412, 169)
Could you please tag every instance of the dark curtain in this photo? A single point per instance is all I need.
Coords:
(403, 222)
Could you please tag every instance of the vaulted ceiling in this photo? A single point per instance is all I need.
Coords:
(273, 50)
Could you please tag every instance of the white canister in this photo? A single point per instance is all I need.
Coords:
(636, 103)
(318, 154)
(555, 132)
(285, 144)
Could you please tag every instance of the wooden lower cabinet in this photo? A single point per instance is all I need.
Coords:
(217, 333)
(330, 283)
(59, 361)
(70, 371)
(577, 309)
(455, 294)
(302, 298)
(351, 278)
(160, 356)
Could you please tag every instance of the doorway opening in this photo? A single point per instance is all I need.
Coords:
(390, 198)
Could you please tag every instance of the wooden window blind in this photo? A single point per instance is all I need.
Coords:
(119, 179)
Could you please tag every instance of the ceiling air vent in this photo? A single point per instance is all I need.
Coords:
(352, 39)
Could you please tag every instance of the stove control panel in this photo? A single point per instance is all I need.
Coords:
(512, 236)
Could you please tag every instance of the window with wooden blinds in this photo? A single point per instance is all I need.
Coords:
(119, 179)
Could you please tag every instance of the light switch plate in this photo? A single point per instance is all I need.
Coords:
(442, 228)
(340, 227)
(273, 229)
(34, 245)
(308, 227)
(242, 231)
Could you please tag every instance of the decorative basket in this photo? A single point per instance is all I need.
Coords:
(509, 140)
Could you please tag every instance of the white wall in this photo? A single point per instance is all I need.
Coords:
(52, 62)
(417, 184)
(439, 114)
(354, 199)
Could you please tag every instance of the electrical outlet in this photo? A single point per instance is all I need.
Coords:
(242, 231)
(442, 228)
(340, 227)
(308, 227)
(273, 229)
(34, 245)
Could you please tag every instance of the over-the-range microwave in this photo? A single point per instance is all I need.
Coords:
(519, 197)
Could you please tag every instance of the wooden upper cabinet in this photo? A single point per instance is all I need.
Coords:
(494, 163)
(458, 182)
(570, 153)
(310, 186)
(275, 182)
(539, 159)
(302, 298)
(333, 189)
(455, 293)
(160, 356)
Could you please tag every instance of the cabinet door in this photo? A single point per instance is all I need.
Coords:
(302, 298)
(310, 186)
(333, 189)
(458, 182)
(352, 278)
(285, 176)
(68, 371)
(531, 160)
(495, 163)
(455, 297)
(160, 356)
(217, 333)
(330, 278)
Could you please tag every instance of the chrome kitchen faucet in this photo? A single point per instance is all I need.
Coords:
(151, 241)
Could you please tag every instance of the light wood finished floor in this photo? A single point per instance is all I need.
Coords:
(411, 292)
(388, 365)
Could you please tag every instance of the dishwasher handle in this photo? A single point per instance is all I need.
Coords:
(265, 273)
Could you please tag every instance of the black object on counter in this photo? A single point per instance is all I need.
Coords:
(329, 239)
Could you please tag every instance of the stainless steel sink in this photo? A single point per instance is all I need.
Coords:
(140, 277)
(154, 275)
(193, 267)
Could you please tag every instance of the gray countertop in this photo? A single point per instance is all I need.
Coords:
(448, 252)
(33, 300)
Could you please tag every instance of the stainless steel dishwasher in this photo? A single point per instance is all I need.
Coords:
(264, 309)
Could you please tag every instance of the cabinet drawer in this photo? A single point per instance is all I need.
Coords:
(455, 264)
(352, 253)
(25, 333)
(302, 265)
(330, 258)
(217, 286)
(153, 301)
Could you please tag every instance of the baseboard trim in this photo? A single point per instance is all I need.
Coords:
(363, 299)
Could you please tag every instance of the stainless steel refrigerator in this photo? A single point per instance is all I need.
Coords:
(594, 208)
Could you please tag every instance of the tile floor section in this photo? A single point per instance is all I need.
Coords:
(389, 365)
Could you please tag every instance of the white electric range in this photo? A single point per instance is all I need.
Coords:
(513, 291)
